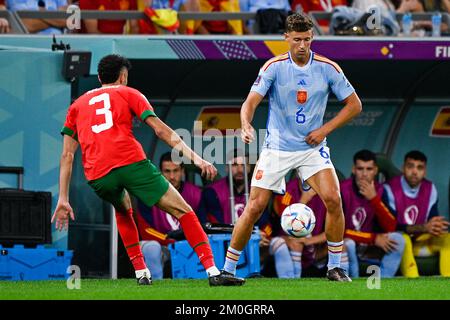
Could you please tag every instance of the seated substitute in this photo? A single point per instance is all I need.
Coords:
(370, 225)
(415, 200)
(215, 204)
(154, 223)
(296, 257)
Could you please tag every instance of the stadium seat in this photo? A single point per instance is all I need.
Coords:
(386, 168)
(428, 266)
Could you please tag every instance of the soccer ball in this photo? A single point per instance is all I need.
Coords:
(298, 220)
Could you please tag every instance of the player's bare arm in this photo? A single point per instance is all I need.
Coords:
(247, 112)
(57, 23)
(63, 209)
(169, 136)
(352, 107)
(35, 25)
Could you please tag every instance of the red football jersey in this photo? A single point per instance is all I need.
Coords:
(108, 26)
(317, 5)
(101, 121)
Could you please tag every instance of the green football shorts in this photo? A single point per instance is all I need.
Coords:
(141, 179)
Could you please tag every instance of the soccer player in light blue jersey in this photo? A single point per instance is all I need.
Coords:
(298, 84)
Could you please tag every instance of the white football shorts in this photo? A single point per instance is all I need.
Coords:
(273, 165)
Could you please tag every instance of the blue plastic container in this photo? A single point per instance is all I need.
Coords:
(186, 265)
(40, 263)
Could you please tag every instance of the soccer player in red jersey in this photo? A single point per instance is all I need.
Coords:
(114, 162)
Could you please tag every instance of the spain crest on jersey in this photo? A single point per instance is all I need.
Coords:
(302, 96)
(259, 174)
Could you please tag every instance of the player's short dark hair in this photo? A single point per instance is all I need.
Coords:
(167, 157)
(416, 155)
(365, 155)
(298, 22)
(110, 66)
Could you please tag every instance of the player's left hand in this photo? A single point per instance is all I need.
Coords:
(247, 133)
(208, 170)
(367, 189)
(61, 216)
(315, 137)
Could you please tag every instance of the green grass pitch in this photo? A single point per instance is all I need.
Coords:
(424, 288)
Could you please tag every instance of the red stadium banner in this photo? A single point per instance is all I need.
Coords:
(441, 124)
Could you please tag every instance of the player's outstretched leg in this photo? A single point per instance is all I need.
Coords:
(326, 184)
(173, 203)
(259, 198)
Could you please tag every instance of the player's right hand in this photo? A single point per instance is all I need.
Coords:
(208, 170)
(247, 133)
(367, 189)
(61, 216)
(383, 241)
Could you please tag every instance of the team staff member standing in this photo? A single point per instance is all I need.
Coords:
(298, 83)
(115, 164)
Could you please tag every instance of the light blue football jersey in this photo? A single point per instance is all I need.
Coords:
(298, 98)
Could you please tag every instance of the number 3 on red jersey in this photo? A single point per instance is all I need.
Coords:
(104, 97)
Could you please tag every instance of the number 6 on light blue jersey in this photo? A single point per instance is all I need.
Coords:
(300, 117)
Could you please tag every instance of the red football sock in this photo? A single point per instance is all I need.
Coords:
(130, 238)
(197, 239)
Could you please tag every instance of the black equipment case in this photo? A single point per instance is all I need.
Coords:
(24, 215)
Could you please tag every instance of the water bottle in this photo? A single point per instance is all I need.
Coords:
(407, 24)
(436, 24)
